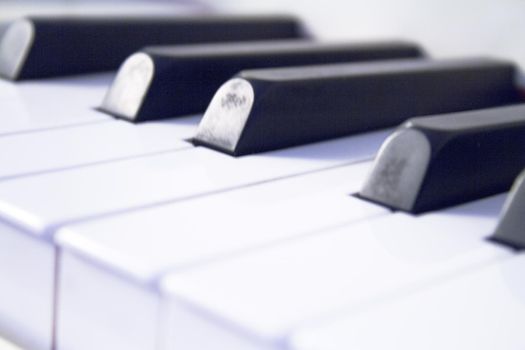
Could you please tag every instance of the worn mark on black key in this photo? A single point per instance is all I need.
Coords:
(233, 100)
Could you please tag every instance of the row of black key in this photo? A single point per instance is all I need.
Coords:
(39, 47)
(181, 80)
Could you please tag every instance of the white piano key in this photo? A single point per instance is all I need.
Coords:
(192, 231)
(258, 299)
(35, 204)
(65, 148)
(483, 310)
(125, 254)
(52, 103)
(38, 205)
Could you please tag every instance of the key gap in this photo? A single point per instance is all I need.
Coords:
(49, 128)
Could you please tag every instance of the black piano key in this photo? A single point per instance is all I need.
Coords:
(39, 47)
(434, 162)
(511, 227)
(262, 110)
(181, 80)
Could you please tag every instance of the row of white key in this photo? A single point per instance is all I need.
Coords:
(97, 251)
(125, 256)
(118, 179)
(349, 256)
(32, 208)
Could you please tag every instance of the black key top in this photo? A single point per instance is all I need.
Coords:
(263, 110)
(511, 227)
(40, 47)
(163, 82)
(433, 162)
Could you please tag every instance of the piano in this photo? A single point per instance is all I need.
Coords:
(319, 185)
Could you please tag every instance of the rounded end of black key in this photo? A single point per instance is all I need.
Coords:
(14, 48)
(435, 162)
(511, 227)
(223, 122)
(125, 97)
(399, 170)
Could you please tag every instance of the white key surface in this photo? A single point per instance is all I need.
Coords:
(38, 204)
(266, 294)
(124, 255)
(63, 148)
(482, 310)
(52, 103)
(143, 244)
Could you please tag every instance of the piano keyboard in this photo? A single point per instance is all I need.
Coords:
(261, 220)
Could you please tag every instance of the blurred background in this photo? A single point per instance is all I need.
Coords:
(445, 27)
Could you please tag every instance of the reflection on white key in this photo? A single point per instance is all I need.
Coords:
(37, 205)
(257, 300)
(483, 310)
(140, 246)
(53, 103)
(63, 148)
